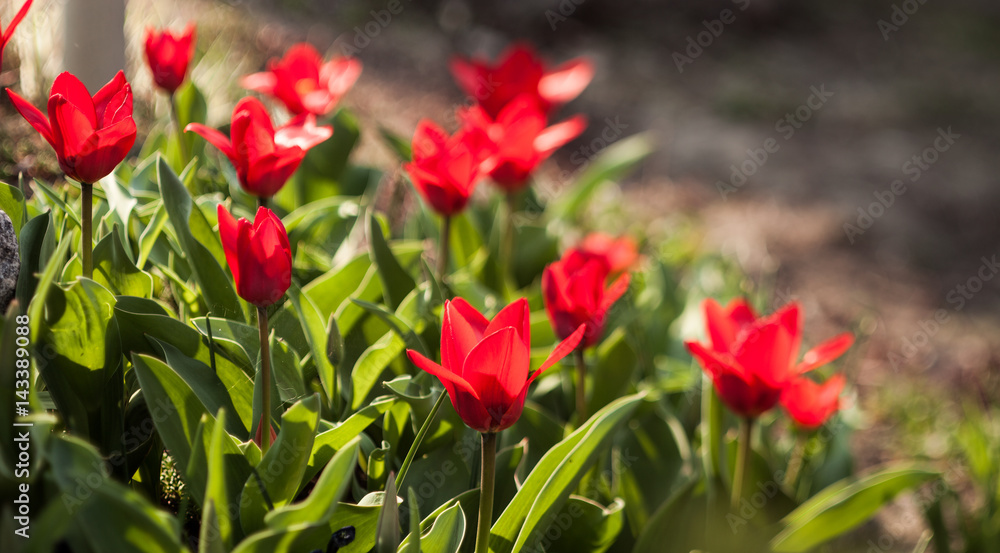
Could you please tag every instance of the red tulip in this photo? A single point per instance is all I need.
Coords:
(520, 140)
(444, 169)
(264, 158)
(91, 136)
(169, 55)
(810, 404)
(751, 361)
(485, 364)
(520, 71)
(575, 294)
(618, 254)
(258, 436)
(303, 82)
(5, 34)
(258, 254)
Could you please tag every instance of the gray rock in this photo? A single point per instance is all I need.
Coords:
(10, 263)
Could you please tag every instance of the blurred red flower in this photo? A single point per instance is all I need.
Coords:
(303, 82)
(258, 254)
(753, 360)
(485, 364)
(264, 158)
(91, 135)
(169, 55)
(618, 254)
(5, 34)
(445, 169)
(520, 71)
(576, 293)
(810, 404)
(519, 139)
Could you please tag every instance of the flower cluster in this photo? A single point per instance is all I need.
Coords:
(753, 362)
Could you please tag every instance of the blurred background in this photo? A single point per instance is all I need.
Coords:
(843, 153)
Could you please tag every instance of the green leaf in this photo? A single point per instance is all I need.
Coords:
(57, 202)
(174, 407)
(370, 366)
(614, 162)
(399, 145)
(149, 235)
(548, 486)
(317, 337)
(113, 517)
(282, 467)
(335, 439)
(199, 244)
(191, 108)
(218, 527)
(114, 269)
(209, 537)
(322, 500)
(396, 282)
(445, 535)
(592, 527)
(31, 246)
(12, 203)
(81, 330)
(845, 505)
(412, 542)
(387, 530)
(210, 390)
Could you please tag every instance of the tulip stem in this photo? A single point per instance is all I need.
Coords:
(742, 460)
(88, 229)
(261, 201)
(181, 143)
(796, 461)
(418, 440)
(265, 379)
(486, 492)
(444, 247)
(507, 247)
(581, 392)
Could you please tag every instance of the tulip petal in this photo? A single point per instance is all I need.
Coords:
(554, 137)
(252, 130)
(722, 327)
(228, 234)
(566, 81)
(104, 150)
(714, 362)
(466, 75)
(266, 175)
(615, 291)
(516, 315)
(446, 376)
(463, 327)
(33, 116)
(71, 127)
(6, 34)
(340, 75)
(73, 91)
(497, 368)
(302, 133)
(765, 352)
(825, 352)
(263, 82)
(214, 137)
(562, 350)
(110, 96)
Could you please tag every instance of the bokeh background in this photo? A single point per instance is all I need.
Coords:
(712, 81)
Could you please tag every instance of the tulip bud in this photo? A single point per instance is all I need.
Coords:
(258, 254)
